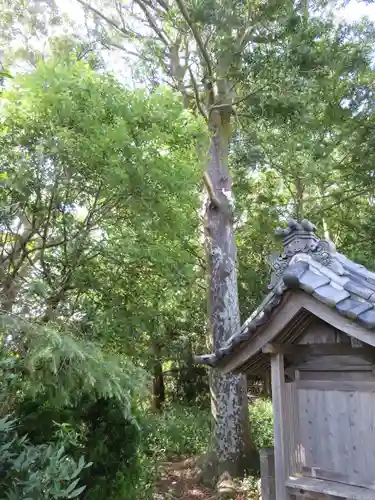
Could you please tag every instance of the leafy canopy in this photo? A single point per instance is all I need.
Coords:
(92, 173)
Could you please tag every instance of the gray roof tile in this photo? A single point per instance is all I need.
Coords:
(368, 319)
(236, 340)
(226, 350)
(330, 295)
(293, 274)
(243, 335)
(357, 273)
(349, 264)
(358, 289)
(352, 308)
(366, 274)
(310, 281)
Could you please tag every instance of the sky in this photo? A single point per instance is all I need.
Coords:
(355, 10)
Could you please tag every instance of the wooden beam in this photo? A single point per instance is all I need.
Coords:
(337, 385)
(267, 473)
(317, 349)
(305, 495)
(294, 302)
(278, 398)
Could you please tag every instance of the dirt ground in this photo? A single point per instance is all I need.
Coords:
(179, 482)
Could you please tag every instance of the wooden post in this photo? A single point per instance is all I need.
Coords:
(278, 394)
(267, 473)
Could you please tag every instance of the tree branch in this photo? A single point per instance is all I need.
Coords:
(123, 30)
(341, 201)
(201, 260)
(163, 4)
(153, 24)
(197, 37)
(119, 11)
(248, 96)
(196, 94)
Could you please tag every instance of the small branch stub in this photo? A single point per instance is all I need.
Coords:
(225, 205)
(211, 192)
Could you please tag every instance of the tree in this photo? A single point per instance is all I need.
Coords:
(23, 27)
(204, 50)
(87, 187)
(99, 192)
(298, 152)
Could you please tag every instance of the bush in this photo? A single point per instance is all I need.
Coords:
(112, 443)
(95, 428)
(261, 419)
(64, 390)
(136, 484)
(36, 472)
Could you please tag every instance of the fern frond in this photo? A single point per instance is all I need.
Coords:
(54, 362)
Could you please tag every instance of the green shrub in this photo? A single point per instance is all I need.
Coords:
(261, 419)
(111, 443)
(178, 431)
(138, 483)
(95, 428)
(62, 389)
(36, 472)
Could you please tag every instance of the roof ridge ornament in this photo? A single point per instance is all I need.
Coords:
(300, 237)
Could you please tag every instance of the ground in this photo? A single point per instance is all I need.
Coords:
(179, 481)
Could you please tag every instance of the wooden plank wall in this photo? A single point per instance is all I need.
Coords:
(337, 431)
(329, 410)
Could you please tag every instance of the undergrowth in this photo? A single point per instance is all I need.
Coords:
(178, 431)
(184, 431)
(93, 421)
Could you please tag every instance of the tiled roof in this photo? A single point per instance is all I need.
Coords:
(312, 265)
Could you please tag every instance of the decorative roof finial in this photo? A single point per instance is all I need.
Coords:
(300, 238)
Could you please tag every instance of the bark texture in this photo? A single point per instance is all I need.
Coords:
(231, 446)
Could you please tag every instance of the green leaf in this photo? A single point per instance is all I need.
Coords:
(71, 487)
(77, 492)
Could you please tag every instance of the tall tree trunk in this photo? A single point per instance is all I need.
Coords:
(158, 387)
(232, 447)
(231, 444)
(299, 199)
(9, 293)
